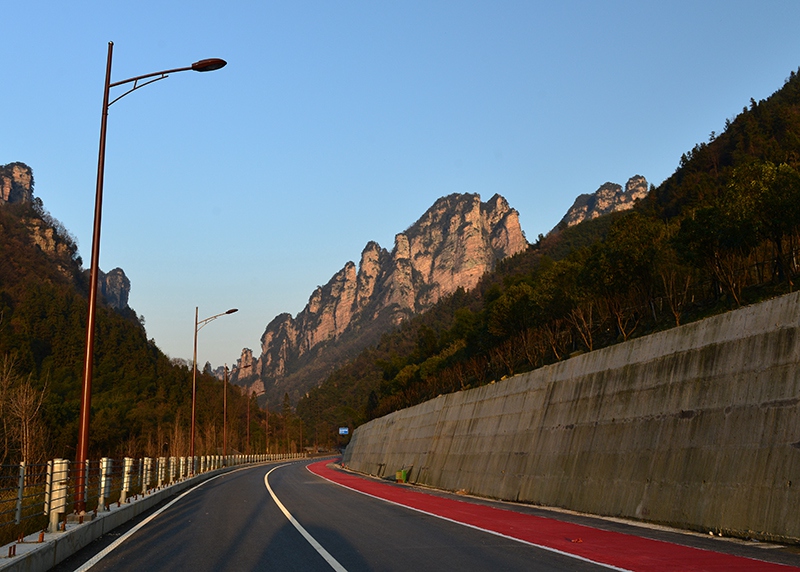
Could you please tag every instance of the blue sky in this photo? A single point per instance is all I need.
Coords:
(336, 123)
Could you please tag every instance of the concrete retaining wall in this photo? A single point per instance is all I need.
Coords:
(696, 427)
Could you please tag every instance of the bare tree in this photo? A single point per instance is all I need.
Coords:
(677, 291)
(534, 346)
(582, 319)
(503, 358)
(208, 438)
(24, 406)
(7, 379)
(179, 445)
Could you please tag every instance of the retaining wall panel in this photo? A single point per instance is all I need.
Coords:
(693, 427)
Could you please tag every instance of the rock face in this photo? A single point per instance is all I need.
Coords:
(451, 246)
(52, 237)
(115, 288)
(48, 239)
(16, 183)
(607, 199)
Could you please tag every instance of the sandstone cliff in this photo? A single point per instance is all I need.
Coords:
(16, 183)
(115, 288)
(51, 237)
(607, 199)
(451, 246)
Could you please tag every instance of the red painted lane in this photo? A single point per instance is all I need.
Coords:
(614, 549)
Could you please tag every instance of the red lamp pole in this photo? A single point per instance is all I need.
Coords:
(82, 449)
(225, 417)
(198, 325)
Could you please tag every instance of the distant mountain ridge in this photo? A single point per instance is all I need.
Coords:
(607, 199)
(451, 246)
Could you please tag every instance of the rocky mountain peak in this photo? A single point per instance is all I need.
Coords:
(115, 288)
(456, 241)
(16, 183)
(607, 199)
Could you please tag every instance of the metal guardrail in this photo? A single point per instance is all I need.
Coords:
(40, 497)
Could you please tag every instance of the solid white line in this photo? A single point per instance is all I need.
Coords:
(107, 550)
(311, 540)
(541, 546)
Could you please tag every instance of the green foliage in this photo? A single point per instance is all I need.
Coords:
(141, 401)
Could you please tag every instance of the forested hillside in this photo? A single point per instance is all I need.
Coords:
(141, 402)
(722, 231)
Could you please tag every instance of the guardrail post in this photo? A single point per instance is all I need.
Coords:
(48, 487)
(162, 471)
(105, 482)
(148, 474)
(20, 493)
(172, 463)
(56, 496)
(86, 480)
(127, 469)
(140, 484)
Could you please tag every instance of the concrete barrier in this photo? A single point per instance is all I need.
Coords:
(696, 427)
(33, 556)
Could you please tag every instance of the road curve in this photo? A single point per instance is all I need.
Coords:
(295, 519)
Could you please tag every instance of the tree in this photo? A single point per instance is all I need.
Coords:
(7, 379)
(287, 415)
(676, 278)
(719, 238)
(769, 196)
(619, 269)
(24, 405)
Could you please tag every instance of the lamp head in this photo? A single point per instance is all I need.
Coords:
(232, 310)
(209, 64)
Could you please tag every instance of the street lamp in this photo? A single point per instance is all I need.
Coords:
(198, 325)
(225, 417)
(86, 390)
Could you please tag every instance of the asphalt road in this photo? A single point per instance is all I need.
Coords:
(233, 523)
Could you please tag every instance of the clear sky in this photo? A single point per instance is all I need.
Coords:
(336, 123)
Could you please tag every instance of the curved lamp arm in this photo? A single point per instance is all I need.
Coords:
(201, 323)
(206, 65)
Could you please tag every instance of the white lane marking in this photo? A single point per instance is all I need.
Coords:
(311, 540)
(107, 550)
(541, 546)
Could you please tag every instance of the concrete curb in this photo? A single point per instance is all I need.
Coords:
(35, 556)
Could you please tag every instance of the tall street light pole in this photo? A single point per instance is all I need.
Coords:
(198, 325)
(86, 389)
(225, 417)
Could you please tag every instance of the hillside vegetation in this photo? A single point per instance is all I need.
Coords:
(141, 400)
(722, 231)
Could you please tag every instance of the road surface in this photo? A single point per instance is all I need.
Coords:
(286, 517)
